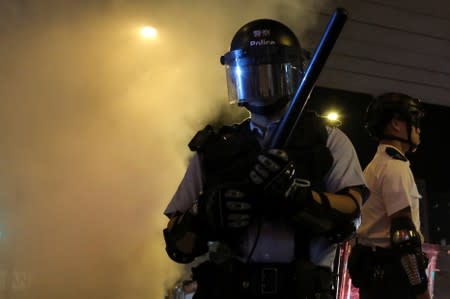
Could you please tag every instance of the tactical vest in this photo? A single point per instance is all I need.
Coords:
(229, 154)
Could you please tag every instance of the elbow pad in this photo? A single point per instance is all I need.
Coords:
(320, 218)
(404, 236)
(183, 243)
(405, 240)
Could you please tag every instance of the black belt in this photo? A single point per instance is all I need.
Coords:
(382, 255)
(235, 279)
(266, 280)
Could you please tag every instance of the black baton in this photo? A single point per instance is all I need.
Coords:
(294, 112)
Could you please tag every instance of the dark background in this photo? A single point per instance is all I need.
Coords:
(429, 163)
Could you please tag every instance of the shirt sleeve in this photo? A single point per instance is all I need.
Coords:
(396, 186)
(346, 170)
(188, 190)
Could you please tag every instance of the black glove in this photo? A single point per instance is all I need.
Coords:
(237, 207)
(183, 242)
(225, 208)
(273, 174)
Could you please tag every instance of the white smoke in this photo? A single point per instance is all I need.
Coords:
(95, 123)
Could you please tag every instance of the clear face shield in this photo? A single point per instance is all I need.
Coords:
(261, 80)
(261, 84)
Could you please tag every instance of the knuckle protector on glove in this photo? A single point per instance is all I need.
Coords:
(237, 205)
(226, 207)
(274, 172)
(237, 209)
(268, 163)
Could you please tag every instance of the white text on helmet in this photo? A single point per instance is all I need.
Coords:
(262, 42)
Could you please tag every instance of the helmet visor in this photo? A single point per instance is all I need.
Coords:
(261, 84)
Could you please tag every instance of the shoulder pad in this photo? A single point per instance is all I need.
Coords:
(392, 152)
(201, 138)
(229, 129)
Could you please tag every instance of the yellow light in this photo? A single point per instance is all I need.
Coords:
(148, 32)
(333, 116)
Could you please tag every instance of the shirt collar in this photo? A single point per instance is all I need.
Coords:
(261, 131)
(382, 148)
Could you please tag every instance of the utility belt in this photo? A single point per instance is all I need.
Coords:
(239, 280)
(382, 255)
(369, 264)
(266, 280)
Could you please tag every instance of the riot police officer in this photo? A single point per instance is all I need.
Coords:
(388, 261)
(268, 220)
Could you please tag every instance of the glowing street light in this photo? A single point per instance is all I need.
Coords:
(333, 116)
(149, 32)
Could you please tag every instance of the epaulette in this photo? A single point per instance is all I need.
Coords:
(395, 154)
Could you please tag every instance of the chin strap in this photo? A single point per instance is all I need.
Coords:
(412, 145)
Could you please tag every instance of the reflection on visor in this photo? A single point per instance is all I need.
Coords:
(256, 82)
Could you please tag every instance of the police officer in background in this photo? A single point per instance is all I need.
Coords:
(388, 261)
(267, 220)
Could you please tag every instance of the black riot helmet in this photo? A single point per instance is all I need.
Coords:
(389, 105)
(264, 66)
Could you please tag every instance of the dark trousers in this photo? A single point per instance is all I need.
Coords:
(378, 274)
(234, 280)
(392, 285)
(385, 293)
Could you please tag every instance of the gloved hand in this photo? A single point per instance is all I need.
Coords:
(237, 208)
(224, 208)
(273, 173)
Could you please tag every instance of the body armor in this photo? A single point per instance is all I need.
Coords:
(229, 154)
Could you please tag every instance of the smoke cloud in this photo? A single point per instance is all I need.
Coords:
(95, 123)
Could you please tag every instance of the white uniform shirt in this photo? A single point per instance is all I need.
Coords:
(276, 240)
(392, 188)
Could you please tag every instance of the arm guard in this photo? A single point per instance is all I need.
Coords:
(406, 241)
(321, 218)
(183, 243)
